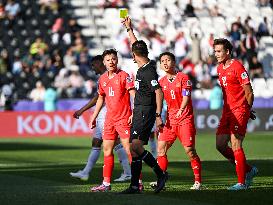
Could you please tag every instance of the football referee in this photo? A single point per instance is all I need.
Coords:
(147, 110)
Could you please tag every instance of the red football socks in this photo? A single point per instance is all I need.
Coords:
(240, 162)
(108, 168)
(163, 162)
(229, 154)
(196, 168)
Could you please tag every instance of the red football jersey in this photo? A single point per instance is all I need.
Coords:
(173, 94)
(232, 79)
(117, 97)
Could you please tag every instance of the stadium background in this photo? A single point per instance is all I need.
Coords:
(45, 50)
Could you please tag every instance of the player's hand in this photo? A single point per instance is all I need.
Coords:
(127, 22)
(252, 115)
(179, 113)
(92, 123)
(159, 123)
(77, 114)
(130, 119)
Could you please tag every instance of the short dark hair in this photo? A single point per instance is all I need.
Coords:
(97, 58)
(171, 55)
(140, 48)
(222, 41)
(109, 52)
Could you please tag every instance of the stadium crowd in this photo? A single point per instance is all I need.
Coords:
(41, 46)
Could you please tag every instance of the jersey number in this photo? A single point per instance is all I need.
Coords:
(224, 79)
(111, 92)
(172, 94)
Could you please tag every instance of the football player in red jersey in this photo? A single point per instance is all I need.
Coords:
(238, 100)
(115, 88)
(177, 88)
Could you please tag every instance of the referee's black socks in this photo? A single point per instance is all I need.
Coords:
(148, 158)
(136, 167)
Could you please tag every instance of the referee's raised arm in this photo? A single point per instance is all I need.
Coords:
(127, 23)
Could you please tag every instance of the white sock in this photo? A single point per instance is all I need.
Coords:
(92, 159)
(152, 143)
(123, 159)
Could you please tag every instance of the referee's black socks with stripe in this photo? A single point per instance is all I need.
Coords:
(148, 158)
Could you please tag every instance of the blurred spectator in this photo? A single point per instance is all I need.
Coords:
(113, 3)
(69, 59)
(2, 11)
(255, 68)
(215, 98)
(207, 46)
(146, 3)
(84, 65)
(12, 9)
(263, 28)
(195, 49)
(157, 44)
(211, 67)
(17, 65)
(37, 46)
(6, 98)
(4, 62)
(50, 99)
(57, 60)
(263, 3)
(48, 4)
(180, 47)
(38, 93)
(61, 83)
(249, 46)
(56, 31)
(214, 11)
(143, 27)
(202, 75)
(189, 10)
(76, 82)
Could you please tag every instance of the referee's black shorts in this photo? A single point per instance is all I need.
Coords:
(143, 122)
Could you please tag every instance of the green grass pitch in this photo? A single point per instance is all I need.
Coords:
(36, 171)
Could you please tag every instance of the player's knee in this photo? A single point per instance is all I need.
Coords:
(191, 153)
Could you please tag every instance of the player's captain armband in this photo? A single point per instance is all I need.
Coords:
(123, 13)
(244, 75)
(186, 92)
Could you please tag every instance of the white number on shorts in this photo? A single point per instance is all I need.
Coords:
(111, 92)
(172, 94)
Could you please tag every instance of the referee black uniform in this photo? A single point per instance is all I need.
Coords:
(144, 112)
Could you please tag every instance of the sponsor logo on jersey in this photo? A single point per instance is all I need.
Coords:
(154, 82)
(165, 87)
(116, 82)
(104, 84)
(244, 75)
(135, 133)
(126, 132)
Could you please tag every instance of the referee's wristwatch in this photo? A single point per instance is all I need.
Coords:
(157, 114)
